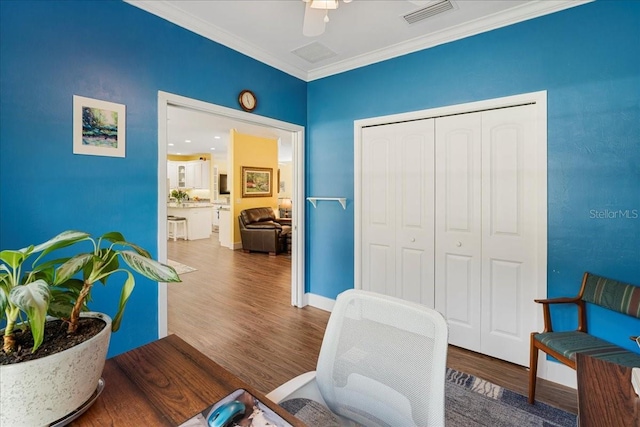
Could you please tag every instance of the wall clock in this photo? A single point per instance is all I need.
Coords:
(247, 100)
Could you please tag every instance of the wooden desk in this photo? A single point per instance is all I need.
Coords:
(163, 383)
(605, 394)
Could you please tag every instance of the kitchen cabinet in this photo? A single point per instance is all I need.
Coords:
(198, 217)
(189, 174)
(224, 230)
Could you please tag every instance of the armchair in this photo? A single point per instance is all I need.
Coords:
(260, 231)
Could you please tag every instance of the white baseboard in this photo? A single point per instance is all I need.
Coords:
(318, 301)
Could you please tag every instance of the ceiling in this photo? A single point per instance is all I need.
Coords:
(358, 33)
(196, 132)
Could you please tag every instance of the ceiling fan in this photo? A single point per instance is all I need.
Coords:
(316, 15)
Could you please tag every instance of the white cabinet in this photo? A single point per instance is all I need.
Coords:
(198, 220)
(224, 232)
(191, 174)
(172, 174)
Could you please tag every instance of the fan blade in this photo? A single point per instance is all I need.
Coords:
(313, 24)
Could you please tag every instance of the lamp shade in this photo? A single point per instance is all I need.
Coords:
(285, 204)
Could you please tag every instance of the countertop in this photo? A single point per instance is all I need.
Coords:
(189, 205)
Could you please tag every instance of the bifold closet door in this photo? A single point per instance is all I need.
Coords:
(486, 210)
(458, 244)
(397, 210)
(509, 232)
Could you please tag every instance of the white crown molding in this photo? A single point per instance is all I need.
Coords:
(471, 28)
(527, 11)
(192, 23)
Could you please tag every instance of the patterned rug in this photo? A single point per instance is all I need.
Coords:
(180, 268)
(470, 402)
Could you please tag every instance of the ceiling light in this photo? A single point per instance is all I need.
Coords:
(187, 140)
(170, 145)
(324, 4)
(213, 148)
(216, 137)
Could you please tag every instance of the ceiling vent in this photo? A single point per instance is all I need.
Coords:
(428, 11)
(314, 52)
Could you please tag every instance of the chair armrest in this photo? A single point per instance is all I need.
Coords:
(546, 303)
(561, 300)
(294, 384)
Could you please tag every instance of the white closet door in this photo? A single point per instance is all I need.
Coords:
(458, 227)
(509, 230)
(397, 210)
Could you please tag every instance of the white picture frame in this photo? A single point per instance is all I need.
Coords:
(99, 127)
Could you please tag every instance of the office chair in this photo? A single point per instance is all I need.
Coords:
(382, 363)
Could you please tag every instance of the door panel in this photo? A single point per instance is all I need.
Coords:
(378, 211)
(397, 208)
(509, 212)
(458, 238)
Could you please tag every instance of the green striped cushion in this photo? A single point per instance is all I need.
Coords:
(570, 343)
(613, 295)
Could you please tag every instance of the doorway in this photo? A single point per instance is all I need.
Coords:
(296, 134)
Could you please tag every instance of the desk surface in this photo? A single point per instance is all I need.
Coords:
(163, 383)
(605, 394)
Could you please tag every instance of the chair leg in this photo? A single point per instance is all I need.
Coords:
(533, 370)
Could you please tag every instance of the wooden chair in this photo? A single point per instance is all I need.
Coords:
(564, 346)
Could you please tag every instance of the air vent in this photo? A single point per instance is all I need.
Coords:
(314, 52)
(428, 12)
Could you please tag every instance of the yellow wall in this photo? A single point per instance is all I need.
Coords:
(287, 178)
(253, 151)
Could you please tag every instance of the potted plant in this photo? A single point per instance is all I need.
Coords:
(179, 195)
(39, 385)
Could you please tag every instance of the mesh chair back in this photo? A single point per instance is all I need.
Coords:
(383, 361)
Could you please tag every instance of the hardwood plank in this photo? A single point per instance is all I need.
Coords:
(236, 310)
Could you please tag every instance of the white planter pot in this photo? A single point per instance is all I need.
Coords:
(39, 392)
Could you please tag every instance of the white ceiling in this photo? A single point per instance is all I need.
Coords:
(208, 133)
(360, 33)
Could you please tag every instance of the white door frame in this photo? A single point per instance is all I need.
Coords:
(297, 135)
(546, 369)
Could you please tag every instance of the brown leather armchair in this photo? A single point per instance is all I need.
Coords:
(261, 232)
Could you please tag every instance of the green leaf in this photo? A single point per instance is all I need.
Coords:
(124, 297)
(63, 299)
(4, 302)
(112, 264)
(33, 299)
(150, 268)
(67, 270)
(14, 258)
(63, 239)
(113, 237)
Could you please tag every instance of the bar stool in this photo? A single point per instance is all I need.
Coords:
(173, 227)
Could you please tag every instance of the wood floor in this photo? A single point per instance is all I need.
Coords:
(236, 309)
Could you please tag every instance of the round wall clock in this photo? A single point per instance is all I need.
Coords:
(247, 100)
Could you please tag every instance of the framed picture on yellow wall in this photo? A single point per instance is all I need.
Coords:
(257, 182)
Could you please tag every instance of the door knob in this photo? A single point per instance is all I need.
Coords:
(458, 244)
(413, 239)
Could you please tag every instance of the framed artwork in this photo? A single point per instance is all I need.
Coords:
(98, 127)
(257, 182)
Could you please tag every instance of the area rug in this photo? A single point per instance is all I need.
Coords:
(469, 402)
(180, 268)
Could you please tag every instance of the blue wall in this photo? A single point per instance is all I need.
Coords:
(112, 51)
(588, 59)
